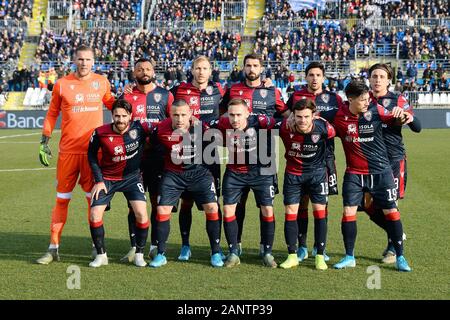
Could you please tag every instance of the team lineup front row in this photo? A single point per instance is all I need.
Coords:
(166, 143)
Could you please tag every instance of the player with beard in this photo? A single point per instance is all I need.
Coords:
(261, 98)
(122, 144)
(150, 103)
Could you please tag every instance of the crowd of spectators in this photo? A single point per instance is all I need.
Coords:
(331, 41)
(161, 46)
(11, 41)
(187, 10)
(360, 9)
(112, 10)
(20, 10)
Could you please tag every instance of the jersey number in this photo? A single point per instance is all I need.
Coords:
(141, 187)
(392, 194)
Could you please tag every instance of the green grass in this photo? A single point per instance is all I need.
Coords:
(26, 199)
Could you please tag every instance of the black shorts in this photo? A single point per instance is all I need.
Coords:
(400, 176)
(152, 169)
(215, 171)
(199, 183)
(315, 184)
(381, 187)
(234, 184)
(131, 187)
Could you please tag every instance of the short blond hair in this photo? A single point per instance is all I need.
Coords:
(200, 59)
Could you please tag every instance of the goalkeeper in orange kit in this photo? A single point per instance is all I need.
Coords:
(79, 97)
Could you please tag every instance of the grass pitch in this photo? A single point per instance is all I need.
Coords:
(27, 196)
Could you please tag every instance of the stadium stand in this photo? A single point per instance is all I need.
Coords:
(346, 35)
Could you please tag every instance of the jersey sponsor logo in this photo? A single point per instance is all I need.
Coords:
(366, 128)
(132, 146)
(368, 115)
(359, 139)
(325, 97)
(84, 109)
(197, 112)
(133, 134)
(95, 85)
(176, 148)
(140, 108)
(193, 101)
(157, 97)
(296, 146)
(263, 93)
(93, 97)
(79, 98)
(209, 90)
(251, 132)
(315, 138)
(118, 150)
(351, 129)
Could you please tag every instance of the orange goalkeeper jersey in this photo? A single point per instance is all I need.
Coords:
(80, 103)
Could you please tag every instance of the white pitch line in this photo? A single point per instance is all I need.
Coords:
(26, 134)
(21, 135)
(34, 169)
(27, 142)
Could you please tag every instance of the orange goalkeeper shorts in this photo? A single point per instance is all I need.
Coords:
(72, 168)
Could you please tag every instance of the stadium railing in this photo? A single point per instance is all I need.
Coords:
(121, 26)
(233, 9)
(422, 64)
(160, 67)
(59, 9)
(376, 51)
(10, 24)
(336, 67)
(175, 24)
(388, 24)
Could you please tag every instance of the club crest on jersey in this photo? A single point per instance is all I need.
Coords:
(133, 134)
(386, 103)
(263, 93)
(158, 97)
(95, 85)
(351, 129)
(118, 150)
(140, 108)
(368, 115)
(209, 90)
(315, 138)
(325, 97)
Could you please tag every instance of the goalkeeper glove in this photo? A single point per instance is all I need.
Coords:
(44, 151)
